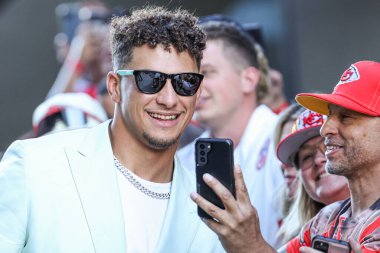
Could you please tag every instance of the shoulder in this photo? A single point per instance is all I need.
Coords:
(266, 113)
(320, 223)
(261, 124)
(51, 146)
(329, 213)
(39, 151)
(55, 140)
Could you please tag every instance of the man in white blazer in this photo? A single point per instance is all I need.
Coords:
(116, 187)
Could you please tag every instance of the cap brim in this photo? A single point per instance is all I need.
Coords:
(79, 101)
(287, 148)
(320, 103)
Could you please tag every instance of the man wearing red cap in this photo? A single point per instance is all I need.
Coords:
(352, 137)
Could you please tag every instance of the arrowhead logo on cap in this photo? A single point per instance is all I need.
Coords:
(350, 75)
(308, 119)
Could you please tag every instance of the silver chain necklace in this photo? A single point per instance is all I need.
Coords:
(128, 175)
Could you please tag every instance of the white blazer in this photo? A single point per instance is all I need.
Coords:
(60, 193)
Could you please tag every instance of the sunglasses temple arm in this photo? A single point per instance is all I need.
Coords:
(124, 72)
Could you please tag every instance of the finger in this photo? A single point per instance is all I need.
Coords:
(309, 250)
(222, 192)
(207, 206)
(241, 190)
(214, 225)
(220, 216)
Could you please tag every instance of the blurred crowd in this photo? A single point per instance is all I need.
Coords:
(277, 142)
(78, 97)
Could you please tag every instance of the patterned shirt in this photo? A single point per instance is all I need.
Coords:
(336, 221)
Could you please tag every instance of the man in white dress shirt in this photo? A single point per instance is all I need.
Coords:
(235, 79)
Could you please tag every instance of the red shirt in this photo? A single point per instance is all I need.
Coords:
(336, 221)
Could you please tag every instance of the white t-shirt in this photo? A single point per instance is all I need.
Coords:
(262, 174)
(143, 215)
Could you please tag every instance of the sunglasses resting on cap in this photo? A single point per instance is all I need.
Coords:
(151, 82)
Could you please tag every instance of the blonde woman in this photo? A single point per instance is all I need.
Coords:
(304, 149)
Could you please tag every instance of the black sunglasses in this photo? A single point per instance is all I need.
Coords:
(151, 82)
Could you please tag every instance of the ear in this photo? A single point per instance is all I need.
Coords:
(250, 78)
(113, 86)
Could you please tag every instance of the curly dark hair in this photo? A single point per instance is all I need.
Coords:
(246, 50)
(153, 25)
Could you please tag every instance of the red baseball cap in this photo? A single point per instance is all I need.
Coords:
(307, 126)
(358, 90)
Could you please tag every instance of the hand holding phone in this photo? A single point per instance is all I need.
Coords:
(215, 157)
(239, 209)
(329, 245)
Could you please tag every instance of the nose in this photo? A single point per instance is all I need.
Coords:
(319, 157)
(285, 167)
(328, 127)
(167, 95)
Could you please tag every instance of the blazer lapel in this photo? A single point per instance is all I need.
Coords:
(181, 220)
(94, 174)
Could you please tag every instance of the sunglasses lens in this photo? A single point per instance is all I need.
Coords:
(149, 82)
(187, 84)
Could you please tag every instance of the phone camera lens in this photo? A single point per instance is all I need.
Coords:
(202, 153)
(203, 159)
(202, 146)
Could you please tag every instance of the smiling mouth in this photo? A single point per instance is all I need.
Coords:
(164, 117)
(320, 176)
(331, 148)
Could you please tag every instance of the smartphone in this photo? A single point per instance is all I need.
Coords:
(329, 245)
(215, 157)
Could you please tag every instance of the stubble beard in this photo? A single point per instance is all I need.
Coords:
(348, 164)
(335, 168)
(159, 143)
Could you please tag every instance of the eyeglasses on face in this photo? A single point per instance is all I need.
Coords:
(151, 82)
(308, 155)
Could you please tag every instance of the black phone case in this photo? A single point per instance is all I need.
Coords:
(214, 156)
